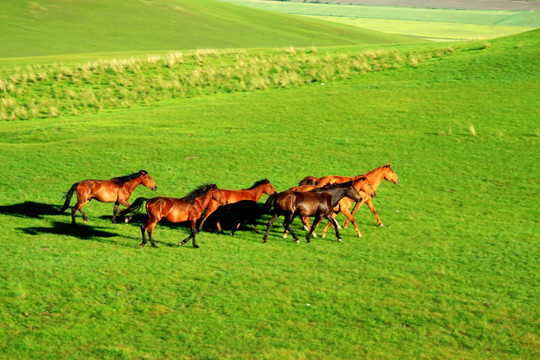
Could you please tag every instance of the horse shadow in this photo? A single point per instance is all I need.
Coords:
(83, 232)
(30, 209)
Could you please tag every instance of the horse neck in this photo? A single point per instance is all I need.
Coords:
(252, 194)
(132, 184)
(204, 200)
(376, 176)
(258, 191)
(336, 195)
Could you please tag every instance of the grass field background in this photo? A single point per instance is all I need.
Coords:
(433, 24)
(39, 28)
(452, 274)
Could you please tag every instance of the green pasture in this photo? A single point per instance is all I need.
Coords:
(434, 24)
(32, 28)
(452, 274)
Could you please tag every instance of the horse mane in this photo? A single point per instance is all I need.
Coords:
(201, 190)
(124, 179)
(331, 186)
(260, 182)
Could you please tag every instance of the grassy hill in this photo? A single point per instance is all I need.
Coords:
(31, 28)
(431, 23)
(452, 274)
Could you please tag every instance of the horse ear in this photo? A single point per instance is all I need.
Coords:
(388, 164)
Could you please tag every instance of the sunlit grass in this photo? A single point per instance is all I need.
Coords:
(434, 30)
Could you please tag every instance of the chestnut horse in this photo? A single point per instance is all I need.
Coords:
(188, 208)
(364, 188)
(117, 190)
(318, 203)
(254, 193)
(375, 178)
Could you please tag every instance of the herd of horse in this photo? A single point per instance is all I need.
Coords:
(318, 198)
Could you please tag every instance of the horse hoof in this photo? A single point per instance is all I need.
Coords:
(339, 240)
(196, 246)
(297, 241)
(141, 246)
(180, 244)
(381, 224)
(359, 235)
(155, 246)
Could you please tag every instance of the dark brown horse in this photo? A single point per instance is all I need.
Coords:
(360, 183)
(318, 203)
(117, 190)
(188, 208)
(254, 193)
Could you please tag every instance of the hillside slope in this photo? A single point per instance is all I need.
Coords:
(30, 28)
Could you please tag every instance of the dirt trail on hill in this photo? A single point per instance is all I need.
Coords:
(508, 5)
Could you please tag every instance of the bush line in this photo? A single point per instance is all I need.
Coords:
(42, 92)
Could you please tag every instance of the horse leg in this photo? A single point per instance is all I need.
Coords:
(316, 222)
(372, 208)
(194, 232)
(149, 226)
(126, 204)
(143, 232)
(334, 222)
(270, 223)
(78, 207)
(325, 230)
(115, 211)
(287, 225)
(354, 210)
(351, 218)
(307, 227)
(220, 229)
(211, 208)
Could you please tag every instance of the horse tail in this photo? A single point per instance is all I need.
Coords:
(269, 204)
(135, 206)
(68, 196)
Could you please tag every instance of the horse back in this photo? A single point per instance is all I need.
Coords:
(303, 203)
(101, 190)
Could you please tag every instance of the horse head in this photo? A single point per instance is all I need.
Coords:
(268, 188)
(390, 175)
(352, 193)
(218, 196)
(361, 184)
(147, 180)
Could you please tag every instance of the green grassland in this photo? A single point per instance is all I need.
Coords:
(34, 28)
(452, 274)
(434, 24)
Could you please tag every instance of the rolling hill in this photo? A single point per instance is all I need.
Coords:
(31, 28)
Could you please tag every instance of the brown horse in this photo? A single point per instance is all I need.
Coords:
(318, 203)
(254, 193)
(188, 208)
(308, 180)
(375, 178)
(364, 188)
(117, 190)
